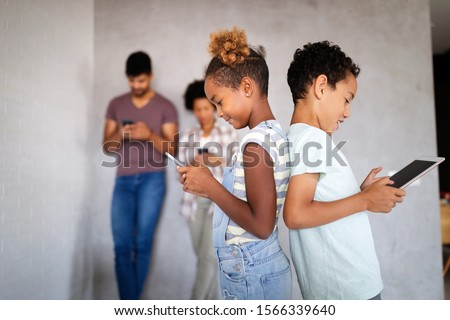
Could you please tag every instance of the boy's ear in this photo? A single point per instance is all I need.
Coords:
(320, 85)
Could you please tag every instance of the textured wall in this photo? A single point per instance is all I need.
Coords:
(392, 117)
(46, 82)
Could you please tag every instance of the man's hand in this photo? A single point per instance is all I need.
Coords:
(136, 131)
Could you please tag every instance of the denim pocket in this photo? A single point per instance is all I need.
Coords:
(232, 280)
(232, 269)
(278, 285)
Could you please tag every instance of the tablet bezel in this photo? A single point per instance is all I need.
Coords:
(436, 160)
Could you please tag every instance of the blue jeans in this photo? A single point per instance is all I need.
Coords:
(251, 271)
(136, 207)
(255, 271)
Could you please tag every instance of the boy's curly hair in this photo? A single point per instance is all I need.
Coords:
(233, 59)
(316, 59)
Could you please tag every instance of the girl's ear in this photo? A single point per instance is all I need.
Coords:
(320, 85)
(248, 86)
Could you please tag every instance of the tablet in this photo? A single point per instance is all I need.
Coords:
(414, 171)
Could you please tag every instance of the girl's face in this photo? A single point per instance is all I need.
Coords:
(335, 106)
(231, 104)
(203, 111)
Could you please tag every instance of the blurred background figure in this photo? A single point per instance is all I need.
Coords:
(140, 126)
(209, 143)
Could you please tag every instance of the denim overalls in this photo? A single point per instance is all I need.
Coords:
(254, 270)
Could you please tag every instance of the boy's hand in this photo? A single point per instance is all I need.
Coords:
(381, 197)
(370, 179)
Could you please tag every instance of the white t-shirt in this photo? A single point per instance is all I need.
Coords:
(336, 260)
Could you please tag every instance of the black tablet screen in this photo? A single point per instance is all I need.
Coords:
(410, 171)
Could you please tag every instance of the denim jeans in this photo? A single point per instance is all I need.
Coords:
(136, 207)
(255, 271)
(251, 271)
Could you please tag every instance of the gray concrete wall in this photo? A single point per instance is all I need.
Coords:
(392, 117)
(46, 83)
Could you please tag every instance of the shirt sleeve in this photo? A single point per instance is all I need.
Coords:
(111, 111)
(262, 138)
(170, 114)
(309, 152)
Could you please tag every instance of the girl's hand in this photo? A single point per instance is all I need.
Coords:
(196, 180)
(370, 179)
(381, 197)
(208, 160)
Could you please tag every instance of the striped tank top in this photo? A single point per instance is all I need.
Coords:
(271, 137)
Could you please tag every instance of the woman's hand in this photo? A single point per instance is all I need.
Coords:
(196, 180)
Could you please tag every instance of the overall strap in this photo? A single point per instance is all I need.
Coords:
(270, 125)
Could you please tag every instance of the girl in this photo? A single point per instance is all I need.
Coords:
(207, 143)
(251, 262)
(330, 238)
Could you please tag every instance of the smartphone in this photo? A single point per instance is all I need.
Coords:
(203, 150)
(175, 160)
(127, 121)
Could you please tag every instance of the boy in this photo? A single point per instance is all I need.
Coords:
(330, 237)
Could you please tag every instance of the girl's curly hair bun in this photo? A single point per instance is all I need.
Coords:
(230, 47)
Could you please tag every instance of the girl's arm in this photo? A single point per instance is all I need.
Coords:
(302, 211)
(257, 214)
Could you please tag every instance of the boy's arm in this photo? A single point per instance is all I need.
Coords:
(302, 211)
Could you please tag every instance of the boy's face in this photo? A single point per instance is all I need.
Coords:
(335, 106)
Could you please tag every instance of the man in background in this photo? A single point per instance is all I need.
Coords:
(140, 127)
